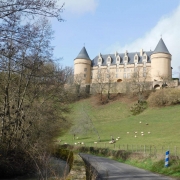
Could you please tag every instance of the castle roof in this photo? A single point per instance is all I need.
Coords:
(83, 54)
(121, 55)
(161, 47)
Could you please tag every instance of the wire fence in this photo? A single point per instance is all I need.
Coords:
(146, 149)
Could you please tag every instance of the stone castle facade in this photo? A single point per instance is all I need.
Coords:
(154, 66)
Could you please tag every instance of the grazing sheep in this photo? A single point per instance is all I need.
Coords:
(112, 142)
(65, 143)
(140, 122)
(95, 142)
(75, 143)
(117, 139)
(135, 136)
(76, 137)
(135, 132)
(127, 132)
(142, 132)
(149, 132)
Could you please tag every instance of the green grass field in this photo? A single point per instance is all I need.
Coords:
(115, 119)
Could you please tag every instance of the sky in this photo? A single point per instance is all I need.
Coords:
(105, 27)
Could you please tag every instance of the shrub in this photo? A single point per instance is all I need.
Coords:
(139, 107)
(163, 97)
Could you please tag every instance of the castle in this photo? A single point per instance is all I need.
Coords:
(152, 65)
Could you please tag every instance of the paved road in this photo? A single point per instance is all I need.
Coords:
(113, 170)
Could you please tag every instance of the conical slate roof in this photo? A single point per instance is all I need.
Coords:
(83, 54)
(161, 47)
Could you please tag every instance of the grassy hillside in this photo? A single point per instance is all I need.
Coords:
(114, 119)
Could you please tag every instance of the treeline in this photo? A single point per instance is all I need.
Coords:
(33, 98)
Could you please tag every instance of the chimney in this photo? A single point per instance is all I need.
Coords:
(141, 52)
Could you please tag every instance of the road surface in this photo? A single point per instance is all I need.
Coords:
(112, 170)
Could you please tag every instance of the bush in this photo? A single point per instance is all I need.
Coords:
(138, 107)
(164, 97)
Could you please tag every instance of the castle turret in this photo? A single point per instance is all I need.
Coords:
(82, 67)
(160, 62)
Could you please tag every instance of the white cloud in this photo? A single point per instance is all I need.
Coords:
(79, 6)
(169, 27)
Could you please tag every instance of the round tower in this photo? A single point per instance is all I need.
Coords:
(82, 67)
(161, 62)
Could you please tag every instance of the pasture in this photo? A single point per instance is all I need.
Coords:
(160, 126)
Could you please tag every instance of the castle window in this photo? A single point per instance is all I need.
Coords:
(99, 60)
(85, 69)
(84, 75)
(124, 75)
(144, 57)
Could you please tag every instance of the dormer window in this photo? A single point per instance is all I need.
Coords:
(108, 60)
(136, 58)
(99, 61)
(118, 60)
(144, 57)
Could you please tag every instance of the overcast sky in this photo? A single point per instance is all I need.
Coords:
(106, 26)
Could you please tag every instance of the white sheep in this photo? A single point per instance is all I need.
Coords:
(142, 132)
(95, 142)
(135, 132)
(75, 143)
(140, 122)
(135, 136)
(65, 143)
(82, 143)
(117, 139)
(149, 132)
(127, 132)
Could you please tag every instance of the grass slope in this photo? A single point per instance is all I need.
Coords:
(114, 119)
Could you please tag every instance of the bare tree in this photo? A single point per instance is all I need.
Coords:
(99, 82)
(84, 124)
(139, 83)
(30, 8)
(110, 83)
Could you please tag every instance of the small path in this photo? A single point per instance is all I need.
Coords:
(112, 170)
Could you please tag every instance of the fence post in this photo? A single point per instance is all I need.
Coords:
(167, 159)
